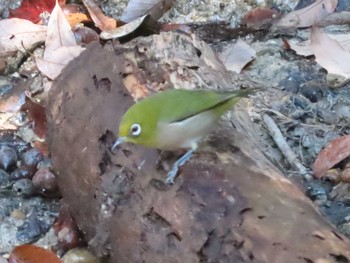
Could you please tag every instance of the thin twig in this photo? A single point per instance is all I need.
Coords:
(284, 147)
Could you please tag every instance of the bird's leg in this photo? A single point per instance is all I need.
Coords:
(172, 173)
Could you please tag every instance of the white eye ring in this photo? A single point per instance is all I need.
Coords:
(135, 129)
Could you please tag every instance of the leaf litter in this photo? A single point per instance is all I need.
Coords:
(60, 45)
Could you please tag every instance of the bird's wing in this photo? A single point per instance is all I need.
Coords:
(183, 104)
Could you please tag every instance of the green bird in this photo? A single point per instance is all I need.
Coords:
(176, 119)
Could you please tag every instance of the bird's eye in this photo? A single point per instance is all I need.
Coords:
(135, 129)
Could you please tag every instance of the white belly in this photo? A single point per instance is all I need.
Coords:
(187, 133)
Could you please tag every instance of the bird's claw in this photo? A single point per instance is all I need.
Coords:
(171, 176)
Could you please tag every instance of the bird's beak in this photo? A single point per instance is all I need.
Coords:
(118, 142)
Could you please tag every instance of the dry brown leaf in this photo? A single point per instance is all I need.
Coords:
(336, 151)
(76, 18)
(124, 29)
(155, 8)
(259, 16)
(337, 18)
(19, 34)
(60, 45)
(309, 15)
(236, 56)
(303, 48)
(37, 116)
(32, 254)
(101, 21)
(330, 54)
(42, 147)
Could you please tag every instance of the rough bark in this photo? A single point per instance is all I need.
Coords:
(230, 204)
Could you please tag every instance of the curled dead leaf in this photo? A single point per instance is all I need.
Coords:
(60, 45)
(123, 30)
(236, 56)
(336, 151)
(303, 48)
(101, 21)
(19, 34)
(76, 18)
(330, 54)
(36, 114)
(308, 15)
(137, 8)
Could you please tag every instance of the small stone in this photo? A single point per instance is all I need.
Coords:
(31, 157)
(45, 181)
(23, 187)
(44, 163)
(5, 85)
(22, 172)
(345, 174)
(8, 158)
(18, 214)
(79, 255)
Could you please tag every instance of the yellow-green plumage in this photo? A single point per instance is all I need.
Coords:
(176, 119)
(173, 107)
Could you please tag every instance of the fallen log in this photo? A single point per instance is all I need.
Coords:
(229, 204)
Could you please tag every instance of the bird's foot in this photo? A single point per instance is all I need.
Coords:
(172, 173)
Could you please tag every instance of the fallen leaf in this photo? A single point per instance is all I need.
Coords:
(60, 45)
(42, 147)
(337, 18)
(330, 54)
(336, 151)
(19, 34)
(259, 16)
(236, 56)
(36, 114)
(303, 48)
(75, 14)
(123, 30)
(101, 21)
(137, 8)
(31, 9)
(309, 15)
(76, 18)
(32, 254)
